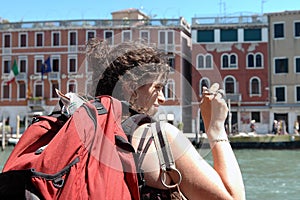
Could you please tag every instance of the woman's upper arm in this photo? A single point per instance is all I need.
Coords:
(199, 179)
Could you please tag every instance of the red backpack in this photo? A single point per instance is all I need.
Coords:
(86, 156)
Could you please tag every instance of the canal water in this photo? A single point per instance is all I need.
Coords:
(267, 174)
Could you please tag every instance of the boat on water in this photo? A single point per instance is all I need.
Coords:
(253, 141)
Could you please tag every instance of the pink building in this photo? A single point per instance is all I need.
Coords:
(31, 44)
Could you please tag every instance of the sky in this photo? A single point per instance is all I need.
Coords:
(38, 10)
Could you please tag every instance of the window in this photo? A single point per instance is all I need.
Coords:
(279, 30)
(297, 29)
(254, 60)
(281, 65)
(205, 36)
(171, 62)
(280, 94)
(229, 61)
(203, 82)
(72, 65)
(23, 65)
(258, 60)
(229, 35)
(55, 64)
(5, 91)
(72, 86)
(229, 85)
(252, 34)
(38, 64)
(108, 36)
(170, 90)
(22, 90)
(39, 39)
(90, 35)
(54, 85)
(145, 36)
(55, 39)
(204, 61)
(255, 116)
(297, 65)
(255, 88)
(72, 38)
(297, 93)
(250, 60)
(7, 66)
(23, 40)
(166, 40)
(7, 41)
(38, 89)
(126, 36)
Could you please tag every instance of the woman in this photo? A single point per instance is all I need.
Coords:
(136, 73)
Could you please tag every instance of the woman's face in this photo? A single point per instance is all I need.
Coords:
(149, 97)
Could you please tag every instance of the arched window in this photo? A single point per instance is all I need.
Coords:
(170, 90)
(225, 63)
(250, 60)
(258, 60)
(229, 61)
(233, 62)
(254, 60)
(203, 82)
(208, 61)
(200, 62)
(230, 85)
(255, 88)
(204, 61)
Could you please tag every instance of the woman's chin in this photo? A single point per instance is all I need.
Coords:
(152, 111)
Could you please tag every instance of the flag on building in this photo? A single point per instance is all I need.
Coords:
(14, 71)
(46, 67)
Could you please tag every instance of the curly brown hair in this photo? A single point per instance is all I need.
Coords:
(132, 64)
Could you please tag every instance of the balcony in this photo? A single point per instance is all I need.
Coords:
(72, 48)
(6, 50)
(21, 77)
(167, 47)
(36, 101)
(53, 75)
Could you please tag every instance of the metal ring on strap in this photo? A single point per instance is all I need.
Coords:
(163, 177)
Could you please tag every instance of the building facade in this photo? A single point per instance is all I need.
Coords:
(284, 71)
(32, 46)
(233, 51)
(255, 59)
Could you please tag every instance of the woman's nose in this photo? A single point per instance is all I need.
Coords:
(161, 97)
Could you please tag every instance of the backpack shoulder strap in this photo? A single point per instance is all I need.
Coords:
(165, 156)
